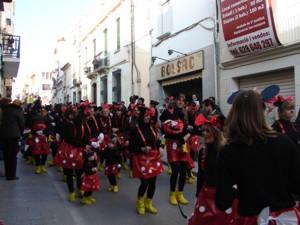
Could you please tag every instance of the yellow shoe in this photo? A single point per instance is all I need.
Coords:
(149, 207)
(115, 189)
(38, 170)
(28, 161)
(72, 197)
(181, 199)
(43, 169)
(190, 180)
(110, 188)
(184, 148)
(130, 174)
(172, 198)
(140, 206)
(50, 162)
(124, 165)
(101, 168)
(85, 201)
(169, 170)
(80, 193)
(163, 141)
(193, 176)
(119, 175)
(92, 200)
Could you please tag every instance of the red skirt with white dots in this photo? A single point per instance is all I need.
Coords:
(90, 182)
(206, 212)
(147, 165)
(69, 156)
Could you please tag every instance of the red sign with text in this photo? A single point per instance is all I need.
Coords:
(248, 26)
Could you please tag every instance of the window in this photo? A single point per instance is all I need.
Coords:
(105, 42)
(46, 87)
(85, 54)
(118, 33)
(94, 47)
(165, 19)
(8, 22)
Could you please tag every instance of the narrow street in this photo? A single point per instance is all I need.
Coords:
(42, 200)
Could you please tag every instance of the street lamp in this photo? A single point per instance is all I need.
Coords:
(153, 58)
(170, 52)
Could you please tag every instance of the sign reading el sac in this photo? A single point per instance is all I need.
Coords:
(182, 65)
(248, 26)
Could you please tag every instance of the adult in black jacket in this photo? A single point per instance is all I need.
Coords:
(264, 165)
(10, 132)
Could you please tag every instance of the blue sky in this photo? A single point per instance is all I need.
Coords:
(40, 23)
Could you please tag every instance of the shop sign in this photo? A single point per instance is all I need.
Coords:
(182, 65)
(248, 26)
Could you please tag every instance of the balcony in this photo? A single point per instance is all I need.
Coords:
(76, 82)
(101, 62)
(10, 55)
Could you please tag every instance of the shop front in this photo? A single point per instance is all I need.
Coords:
(182, 75)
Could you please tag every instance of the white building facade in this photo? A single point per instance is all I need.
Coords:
(10, 47)
(183, 49)
(116, 52)
(261, 50)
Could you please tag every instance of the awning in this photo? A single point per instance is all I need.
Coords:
(181, 79)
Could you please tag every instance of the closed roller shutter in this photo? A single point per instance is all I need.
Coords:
(284, 78)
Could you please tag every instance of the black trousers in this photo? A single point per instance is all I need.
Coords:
(112, 179)
(70, 173)
(40, 160)
(178, 169)
(10, 151)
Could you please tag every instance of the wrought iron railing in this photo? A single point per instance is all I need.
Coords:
(11, 45)
(101, 60)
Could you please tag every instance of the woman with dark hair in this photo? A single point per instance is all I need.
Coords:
(176, 135)
(284, 125)
(146, 163)
(70, 153)
(263, 165)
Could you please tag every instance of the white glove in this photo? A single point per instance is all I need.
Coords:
(39, 132)
(101, 137)
(95, 144)
(57, 136)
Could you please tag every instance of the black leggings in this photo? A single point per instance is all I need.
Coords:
(87, 193)
(147, 185)
(70, 173)
(112, 179)
(40, 160)
(178, 168)
(54, 148)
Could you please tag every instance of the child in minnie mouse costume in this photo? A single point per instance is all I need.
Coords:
(90, 180)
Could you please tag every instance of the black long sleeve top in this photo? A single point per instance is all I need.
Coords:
(176, 115)
(207, 167)
(75, 134)
(122, 124)
(266, 174)
(94, 127)
(105, 124)
(289, 128)
(136, 142)
(112, 156)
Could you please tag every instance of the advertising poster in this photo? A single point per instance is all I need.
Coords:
(248, 26)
